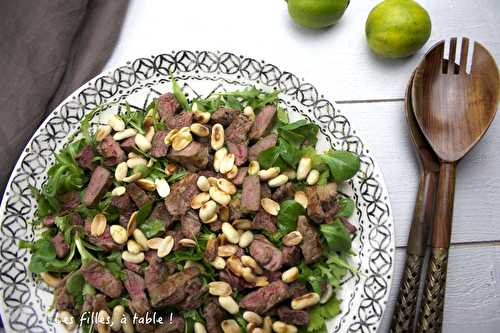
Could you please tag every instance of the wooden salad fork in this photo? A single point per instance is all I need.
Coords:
(403, 317)
(453, 109)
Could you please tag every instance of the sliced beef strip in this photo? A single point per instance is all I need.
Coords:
(138, 195)
(272, 276)
(323, 204)
(224, 116)
(124, 218)
(263, 144)
(190, 224)
(266, 254)
(172, 290)
(297, 289)
(311, 244)
(160, 212)
(214, 314)
(157, 272)
(105, 241)
(128, 144)
(94, 304)
(211, 250)
(63, 301)
(264, 121)
(264, 221)
(69, 201)
(158, 146)
(215, 226)
(98, 185)
(250, 195)
(237, 131)
(123, 203)
(49, 220)
(168, 106)
(111, 151)
(291, 255)
(294, 317)
(284, 192)
(76, 219)
(136, 287)
(85, 158)
(102, 279)
(265, 191)
(60, 246)
(234, 210)
(194, 157)
(236, 283)
(183, 119)
(240, 151)
(136, 268)
(240, 176)
(179, 200)
(265, 298)
(194, 295)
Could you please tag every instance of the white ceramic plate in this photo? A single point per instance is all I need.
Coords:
(25, 303)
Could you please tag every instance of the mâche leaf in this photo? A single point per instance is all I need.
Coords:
(336, 235)
(343, 164)
(347, 206)
(152, 227)
(289, 212)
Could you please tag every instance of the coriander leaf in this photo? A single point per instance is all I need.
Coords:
(343, 164)
(179, 95)
(336, 235)
(152, 227)
(321, 313)
(288, 215)
(347, 206)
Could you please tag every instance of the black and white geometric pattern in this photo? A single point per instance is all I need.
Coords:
(25, 302)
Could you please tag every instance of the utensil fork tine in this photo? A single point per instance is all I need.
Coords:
(451, 57)
(463, 56)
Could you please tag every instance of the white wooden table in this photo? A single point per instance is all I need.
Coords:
(369, 90)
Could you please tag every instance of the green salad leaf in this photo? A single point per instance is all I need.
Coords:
(74, 285)
(343, 165)
(336, 236)
(347, 206)
(299, 132)
(321, 313)
(289, 212)
(152, 227)
(179, 95)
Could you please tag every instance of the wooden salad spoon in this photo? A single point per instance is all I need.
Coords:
(453, 109)
(403, 317)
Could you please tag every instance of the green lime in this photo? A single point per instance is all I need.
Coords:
(317, 13)
(397, 28)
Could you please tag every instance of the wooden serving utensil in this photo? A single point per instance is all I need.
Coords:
(403, 317)
(453, 109)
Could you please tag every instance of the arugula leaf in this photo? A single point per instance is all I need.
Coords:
(133, 119)
(289, 212)
(336, 235)
(347, 206)
(179, 94)
(152, 227)
(321, 313)
(343, 164)
(177, 175)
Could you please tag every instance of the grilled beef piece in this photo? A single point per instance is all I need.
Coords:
(234, 210)
(311, 244)
(323, 204)
(237, 131)
(136, 288)
(266, 254)
(224, 116)
(172, 290)
(138, 195)
(240, 151)
(215, 226)
(264, 221)
(265, 298)
(69, 201)
(102, 279)
(179, 200)
(111, 151)
(98, 185)
(211, 250)
(49, 220)
(183, 119)
(272, 276)
(297, 289)
(263, 144)
(195, 291)
(250, 195)
(63, 301)
(190, 224)
(214, 314)
(350, 228)
(157, 272)
(60, 246)
(240, 176)
(128, 144)
(124, 218)
(105, 241)
(160, 212)
(85, 158)
(265, 191)
(284, 192)
(234, 281)
(158, 146)
(264, 121)
(136, 268)
(94, 304)
(294, 317)
(76, 219)
(168, 106)
(123, 203)
(194, 157)
(291, 255)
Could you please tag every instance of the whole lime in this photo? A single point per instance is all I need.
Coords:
(317, 13)
(397, 28)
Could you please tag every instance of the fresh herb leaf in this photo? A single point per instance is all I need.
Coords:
(269, 157)
(179, 95)
(152, 227)
(347, 206)
(289, 153)
(300, 132)
(336, 235)
(289, 212)
(74, 285)
(282, 115)
(321, 313)
(177, 175)
(144, 213)
(343, 164)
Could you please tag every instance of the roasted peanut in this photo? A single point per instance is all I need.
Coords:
(116, 123)
(301, 198)
(217, 137)
(121, 171)
(290, 275)
(98, 225)
(277, 181)
(293, 238)
(246, 239)
(270, 206)
(305, 301)
(219, 288)
(229, 304)
(230, 233)
(118, 234)
(305, 165)
(312, 177)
